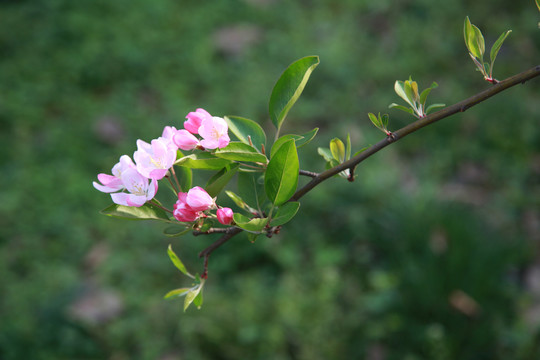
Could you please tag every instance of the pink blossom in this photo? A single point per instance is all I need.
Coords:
(168, 133)
(225, 215)
(182, 211)
(113, 183)
(195, 119)
(198, 199)
(139, 189)
(153, 160)
(214, 133)
(185, 140)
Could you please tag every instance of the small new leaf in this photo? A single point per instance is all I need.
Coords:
(176, 261)
(497, 46)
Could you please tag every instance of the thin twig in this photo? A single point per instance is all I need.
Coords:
(153, 202)
(308, 173)
(222, 240)
(211, 231)
(176, 179)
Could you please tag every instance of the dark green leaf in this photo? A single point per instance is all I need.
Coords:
(218, 182)
(281, 177)
(289, 87)
(251, 188)
(244, 129)
(145, 212)
(238, 151)
(285, 213)
(184, 176)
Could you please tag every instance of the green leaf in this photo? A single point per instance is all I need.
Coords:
(479, 38)
(198, 301)
(305, 138)
(237, 199)
(402, 108)
(251, 188)
(337, 148)
(360, 151)
(218, 182)
(538, 4)
(497, 46)
(325, 153)
(252, 237)
(348, 151)
(289, 87)
(244, 129)
(433, 107)
(191, 295)
(177, 293)
(282, 140)
(425, 93)
(145, 212)
(238, 151)
(203, 161)
(399, 88)
(176, 230)
(285, 213)
(176, 261)
(375, 120)
(255, 224)
(281, 177)
(471, 40)
(184, 176)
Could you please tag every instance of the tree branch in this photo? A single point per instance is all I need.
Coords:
(425, 121)
(401, 133)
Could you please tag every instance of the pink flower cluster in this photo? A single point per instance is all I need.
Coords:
(135, 183)
(212, 129)
(192, 205)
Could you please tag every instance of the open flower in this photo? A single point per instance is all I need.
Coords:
(198, 199)
(194, 120)
(113, 183)
(139, 189)
(154, 159)
(225, 215)
(168, 133)
(185, 140)
(214, 133)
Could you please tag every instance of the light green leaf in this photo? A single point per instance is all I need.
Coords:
(402, 108)
(399, 88)
(176, 230)
(281, 177)
(145, 212)
(203, 161)
(289, 87)
(425, 93)
(337, 148)
(237, 199)
(176, 261)
(538, 4)
(479, 38)
(177, 293)
(497, 46)
(252, 237)
(244, 129)
(470, 35)
(191, 295)
(360, 151)
(198, 301)
(325, 153)
(217, 182)
(348, 151)
(285, 213)
(375, 120)
(255, 224)
(433, 107)
(238, 151)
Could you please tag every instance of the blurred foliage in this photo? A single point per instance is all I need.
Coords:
(425, 256)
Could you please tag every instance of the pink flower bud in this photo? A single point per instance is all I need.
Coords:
(225, 216)
(214, 133)
(198, 199)
(194, 120)
(185, 140)
(182, 212)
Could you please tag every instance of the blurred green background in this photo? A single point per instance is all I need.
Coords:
(431, 254)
